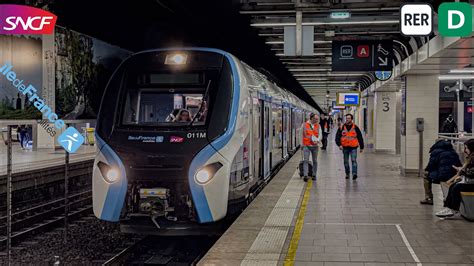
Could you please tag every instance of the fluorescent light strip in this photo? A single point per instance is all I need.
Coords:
(282, 42)
(308, 69)
(455, 77)
(367, 22)
(462, 71)
(327, 74)
(314, 54)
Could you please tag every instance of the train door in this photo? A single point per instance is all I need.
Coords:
(265, 121)
(285, 132)
(256, 134)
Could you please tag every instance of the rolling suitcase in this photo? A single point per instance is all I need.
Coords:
(301, 169)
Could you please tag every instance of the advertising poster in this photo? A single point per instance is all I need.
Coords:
(24, 53)
(83, 67)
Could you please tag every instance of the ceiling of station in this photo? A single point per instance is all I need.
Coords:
(369, 20)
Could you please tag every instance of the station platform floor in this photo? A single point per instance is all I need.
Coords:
(375, 220)
(26, 160)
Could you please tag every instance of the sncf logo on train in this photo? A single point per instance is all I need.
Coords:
(176, 139)
(18, 19)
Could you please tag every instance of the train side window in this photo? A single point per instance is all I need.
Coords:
(220, 113)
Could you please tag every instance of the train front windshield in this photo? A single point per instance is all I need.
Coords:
(155, 94)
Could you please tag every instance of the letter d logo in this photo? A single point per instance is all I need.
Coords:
(455, 19)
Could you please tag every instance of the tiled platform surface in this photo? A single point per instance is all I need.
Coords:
(359, 223)
(24, 160)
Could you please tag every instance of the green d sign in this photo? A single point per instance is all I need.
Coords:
(455, 19)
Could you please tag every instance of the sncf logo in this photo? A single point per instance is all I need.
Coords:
(17, 19)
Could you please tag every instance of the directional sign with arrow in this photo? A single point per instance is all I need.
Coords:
(362, 55)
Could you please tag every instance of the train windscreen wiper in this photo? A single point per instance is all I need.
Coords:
(204, 97)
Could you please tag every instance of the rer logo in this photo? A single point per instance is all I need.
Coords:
(416, 19)
(18, 19)
(455, 19)
(71, 139)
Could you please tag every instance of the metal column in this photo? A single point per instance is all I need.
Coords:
(66, 194)
(9, 194)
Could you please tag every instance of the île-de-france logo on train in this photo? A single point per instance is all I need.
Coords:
(19, 19)
(146, 139)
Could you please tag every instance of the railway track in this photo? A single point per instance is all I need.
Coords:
(44, 216)
(152, 250)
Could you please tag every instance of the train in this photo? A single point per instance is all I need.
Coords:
(186, 137)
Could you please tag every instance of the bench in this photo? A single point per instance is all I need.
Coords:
(467, 205)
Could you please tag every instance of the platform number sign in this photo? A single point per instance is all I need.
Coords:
(386, 104)
(416, 19)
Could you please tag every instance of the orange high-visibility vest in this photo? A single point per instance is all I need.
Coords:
(310, 131)
(349, 137)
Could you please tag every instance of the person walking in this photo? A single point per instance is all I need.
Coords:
(348, 139)
(324, 123)
(440, 167)
(311, 140)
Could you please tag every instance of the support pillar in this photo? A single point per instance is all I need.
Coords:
(422, 101)
(385, 121)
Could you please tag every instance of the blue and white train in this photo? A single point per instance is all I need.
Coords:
(186, 137)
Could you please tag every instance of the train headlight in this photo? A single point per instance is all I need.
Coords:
(176, 59)
(206, 173)
(110, 174)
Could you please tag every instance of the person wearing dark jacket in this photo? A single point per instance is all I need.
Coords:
(440, 167)
(348, 139)
(324, 124)
(463, 181)
(449, 125)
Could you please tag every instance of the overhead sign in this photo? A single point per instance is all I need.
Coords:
(362, 55)
(416, 19)
(348, 98)
(337, 107)
(454, 19)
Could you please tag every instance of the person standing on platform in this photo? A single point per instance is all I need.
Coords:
(311, 140)
(324, 123)
(449, 125)
(348, 139)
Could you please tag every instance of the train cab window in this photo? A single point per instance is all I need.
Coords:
(154, 107)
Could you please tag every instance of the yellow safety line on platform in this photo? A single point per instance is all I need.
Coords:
(290, 256)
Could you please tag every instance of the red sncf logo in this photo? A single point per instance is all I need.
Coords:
(17, 19)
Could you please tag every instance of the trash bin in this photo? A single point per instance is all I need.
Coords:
(90, 135)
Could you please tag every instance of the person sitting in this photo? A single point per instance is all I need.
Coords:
(463, 181)
(183, 116)
(439, 168)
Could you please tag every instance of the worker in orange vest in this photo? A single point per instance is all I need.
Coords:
(348, 139)
(312, 135)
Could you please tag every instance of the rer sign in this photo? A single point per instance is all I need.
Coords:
(454, 19)
(348, 98)
(18, 19)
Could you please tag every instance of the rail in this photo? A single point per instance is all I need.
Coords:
(39, 217)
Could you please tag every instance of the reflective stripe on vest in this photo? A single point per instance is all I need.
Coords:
(349, 138)
(310, 131)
